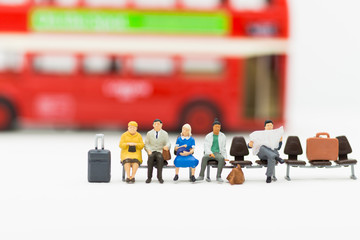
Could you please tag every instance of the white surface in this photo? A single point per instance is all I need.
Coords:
(43, 175)
(45, 195)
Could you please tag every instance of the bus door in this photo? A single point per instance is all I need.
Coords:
(49, 87)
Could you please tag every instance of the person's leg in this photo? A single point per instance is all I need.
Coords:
(127, 169)
(160, 164)
(150, 164)
(269, 155)
(221, 163)
(204, 162)
(135, 167)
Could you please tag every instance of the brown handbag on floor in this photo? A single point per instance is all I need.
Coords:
(236, 176)
(166, 155)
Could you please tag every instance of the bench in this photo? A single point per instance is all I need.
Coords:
(293, 149)
(166, 166)
(238, 150)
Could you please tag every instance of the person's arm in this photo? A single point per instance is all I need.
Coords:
(123, 144)
(223, 147)
(140, 144)
(168, 144)
(147, 144)
(280, 144)
(207, 144)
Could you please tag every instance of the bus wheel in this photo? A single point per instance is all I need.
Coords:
(7, 115)
(200, 117)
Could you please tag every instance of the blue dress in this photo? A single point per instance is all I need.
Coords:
(185, 161)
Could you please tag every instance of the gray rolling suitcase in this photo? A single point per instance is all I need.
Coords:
(99, 162)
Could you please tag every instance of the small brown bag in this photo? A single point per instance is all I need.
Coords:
(166, 155)
(236, 176)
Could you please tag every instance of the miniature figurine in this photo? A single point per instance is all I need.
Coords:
(265, 145)
(156, 141)
(184, 148)
(215, 149)
(131, 144)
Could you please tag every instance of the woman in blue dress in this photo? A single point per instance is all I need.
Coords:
(184, 148)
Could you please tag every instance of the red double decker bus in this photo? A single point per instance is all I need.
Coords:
(87, 63)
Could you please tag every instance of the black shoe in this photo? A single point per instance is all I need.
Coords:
(148, 180)
(280, 160)
(127, 180)
(132, 180)
(161, 180)
(192, 178)
(268, 180)
(176, 177)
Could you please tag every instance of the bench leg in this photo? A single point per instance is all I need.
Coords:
(208, 173)
(123, 174)
(274, 177)
(353, 173)
(287, 177)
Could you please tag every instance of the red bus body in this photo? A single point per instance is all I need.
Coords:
(81, 99)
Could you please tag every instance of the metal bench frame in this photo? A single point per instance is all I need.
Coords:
(352, 176)
(145, 166)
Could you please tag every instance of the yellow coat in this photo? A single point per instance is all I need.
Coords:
(128, 138)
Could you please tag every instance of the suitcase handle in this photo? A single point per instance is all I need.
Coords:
(322, 133)
(101, 137)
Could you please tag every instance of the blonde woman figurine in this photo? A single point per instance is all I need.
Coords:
(184, 148)
(131, 144)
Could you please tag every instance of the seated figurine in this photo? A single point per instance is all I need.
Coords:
(265, 145)
(131, 144)
(215, 149)
(184, 150)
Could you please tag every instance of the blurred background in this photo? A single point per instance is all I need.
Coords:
(97, 64)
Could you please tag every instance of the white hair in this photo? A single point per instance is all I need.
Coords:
(188, 127)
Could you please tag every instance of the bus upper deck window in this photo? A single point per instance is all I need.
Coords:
(54, 64)
(249, 4)
(105, 3)
(210, 68)
(13, 2)
(101, 65)
(65, 3)
(11, 62)
(160, 66)
(154, 3)
(202, 4)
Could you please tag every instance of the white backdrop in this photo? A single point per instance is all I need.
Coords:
(43, 175)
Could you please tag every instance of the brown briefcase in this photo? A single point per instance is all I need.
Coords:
(320, 148)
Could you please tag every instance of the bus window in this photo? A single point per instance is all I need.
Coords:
(202, 4)
(262, 87)
(157, 66)
(65, 3)
(105, 3)
(12, 2)
(155, 3)
(209, 68)
(11, 62)
(54, 64)
(249, 4)
(97, 64)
